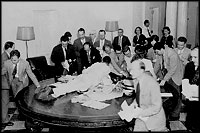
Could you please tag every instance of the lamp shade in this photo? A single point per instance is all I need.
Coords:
(111, 26)
(25, 33)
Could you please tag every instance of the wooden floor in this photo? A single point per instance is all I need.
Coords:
(176, 126)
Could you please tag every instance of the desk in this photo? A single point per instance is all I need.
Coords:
(64, 113)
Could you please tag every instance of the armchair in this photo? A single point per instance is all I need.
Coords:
(41, 69)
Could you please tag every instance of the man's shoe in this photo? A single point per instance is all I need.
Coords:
(8, 124)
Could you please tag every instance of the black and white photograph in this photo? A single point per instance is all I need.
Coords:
(99, 66)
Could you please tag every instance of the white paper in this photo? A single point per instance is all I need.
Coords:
(124, 105)
(95, 104)
(166, 95)
(104, 93)
(128, 113)
(190, 91)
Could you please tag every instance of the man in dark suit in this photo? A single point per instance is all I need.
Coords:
(64, 57)
(5, 86)
(89, 55)
(102, 42)
(121, 40)
(78, 45)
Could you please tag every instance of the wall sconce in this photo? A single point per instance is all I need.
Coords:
(25, 34)
(111, 26)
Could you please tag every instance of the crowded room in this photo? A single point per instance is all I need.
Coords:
(87, 67)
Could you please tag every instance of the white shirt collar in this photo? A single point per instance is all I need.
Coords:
(7, 54)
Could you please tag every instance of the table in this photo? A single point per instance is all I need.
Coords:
(63, 113)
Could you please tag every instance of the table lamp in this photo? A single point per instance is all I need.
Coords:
(25, 34)
(111, 26)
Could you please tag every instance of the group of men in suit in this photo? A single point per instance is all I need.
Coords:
(73, 58)
(84, 52)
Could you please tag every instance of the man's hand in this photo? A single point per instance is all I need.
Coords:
(124, 73)
(65, 65)
(38, 89)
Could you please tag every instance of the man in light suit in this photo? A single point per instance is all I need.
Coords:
(121, 40)
(5, 88)
(18, 71)
(183, 51)
(102, 42)
(78, 45)
(172, 79)
(115, 68)
(150, 115)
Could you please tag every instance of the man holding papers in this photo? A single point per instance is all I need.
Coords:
(147, 106)
(190, 85)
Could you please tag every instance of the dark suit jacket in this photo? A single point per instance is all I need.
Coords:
(4, 78)
(125, 41)
(140, 41)
(94, 56)
(78, 45)
(57, 56)
(191, 74)
(167, 40)
(106, 42)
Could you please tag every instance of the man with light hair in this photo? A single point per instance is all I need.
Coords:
(147, 106)
(93, 36)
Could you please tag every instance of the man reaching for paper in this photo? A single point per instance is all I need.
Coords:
(96, 74)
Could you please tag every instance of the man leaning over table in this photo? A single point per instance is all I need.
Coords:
(147, 106)
(90, 77)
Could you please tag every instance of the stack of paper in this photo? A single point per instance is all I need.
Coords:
(128, 112)
(95, 104)
(80, 99)
(190, 91)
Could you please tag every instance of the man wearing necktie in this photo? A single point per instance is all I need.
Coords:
(102, 42)
(146, 30)
(63, 56)
(89, 55)
(78, 45)
(147, 106)
(18, 71)
(121, 40)
(5, 86)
